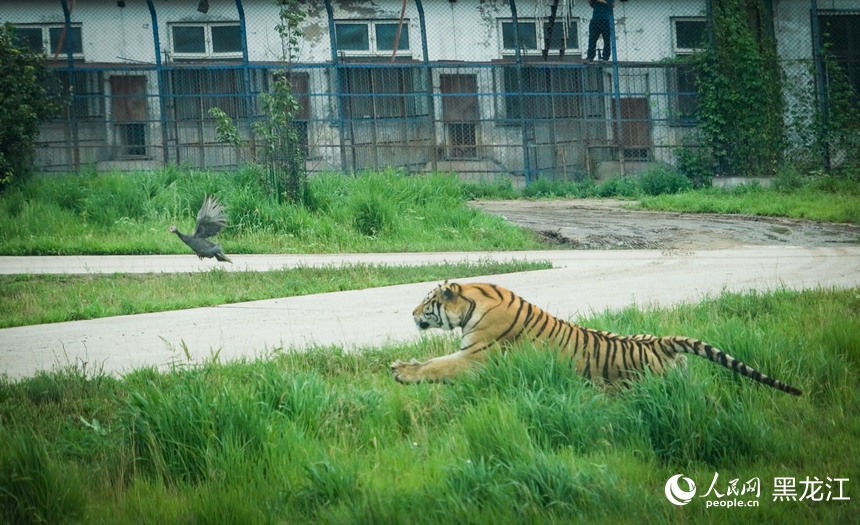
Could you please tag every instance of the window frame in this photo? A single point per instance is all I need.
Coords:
(844, 57)
(208, 43)
(685, 69)
(674, 31)
(539, 24)
(373, 49)
(47, 50)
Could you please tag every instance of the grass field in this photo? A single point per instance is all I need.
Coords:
(329, 437)
(829, 199)
(825, 199)
(116, 213)
(36, 299)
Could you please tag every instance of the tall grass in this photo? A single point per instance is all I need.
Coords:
(130, 213)
(329, 437)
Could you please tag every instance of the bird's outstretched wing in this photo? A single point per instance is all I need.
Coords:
(210, 219)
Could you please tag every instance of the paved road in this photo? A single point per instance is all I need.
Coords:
(581, 281)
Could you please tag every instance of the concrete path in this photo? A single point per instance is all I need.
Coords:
(581, 281)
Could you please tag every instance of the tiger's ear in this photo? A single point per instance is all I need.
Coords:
(447, 293)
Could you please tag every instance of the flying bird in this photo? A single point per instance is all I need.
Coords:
(210, 220)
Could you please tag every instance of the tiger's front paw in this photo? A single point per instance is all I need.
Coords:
(407, 372)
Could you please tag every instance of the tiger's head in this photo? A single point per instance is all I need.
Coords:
(444, 307)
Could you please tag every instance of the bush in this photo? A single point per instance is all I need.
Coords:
(696, 164)
(618, 187)
(24, 104)
(658, 181)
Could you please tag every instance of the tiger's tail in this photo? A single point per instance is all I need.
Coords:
(700, 348)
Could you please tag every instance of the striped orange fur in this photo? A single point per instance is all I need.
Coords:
(491, 317)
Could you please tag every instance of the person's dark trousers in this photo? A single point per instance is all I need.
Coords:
(598, 27)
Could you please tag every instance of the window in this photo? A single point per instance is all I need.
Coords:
(371, 37)
(383, 92)
(688, 36)
(548, 92)
(532, 35)
(129, 115)
(195, 91)
(215, 40)
(840, 33)
(51, 39)
(87, 89)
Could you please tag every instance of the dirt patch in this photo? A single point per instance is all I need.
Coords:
(599, 224)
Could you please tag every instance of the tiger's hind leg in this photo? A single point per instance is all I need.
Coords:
(434, 370)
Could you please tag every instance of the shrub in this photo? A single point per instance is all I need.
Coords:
(24, 104)
(618, 187)
(658, 181)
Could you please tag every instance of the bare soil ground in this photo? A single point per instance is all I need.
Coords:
(600, 224)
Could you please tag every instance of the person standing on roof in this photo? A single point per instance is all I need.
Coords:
(600, 26)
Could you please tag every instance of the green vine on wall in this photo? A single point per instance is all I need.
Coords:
(741, 104)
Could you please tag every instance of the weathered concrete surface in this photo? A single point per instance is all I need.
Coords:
(580, 282)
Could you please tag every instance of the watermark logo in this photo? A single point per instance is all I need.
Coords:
(681, 490)
(675, 494)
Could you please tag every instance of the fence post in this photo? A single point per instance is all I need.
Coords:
(159, 76)
(527, 170)
(337, 84)
(616, 88)
(431, 110)
(246, 79)
(70, 84)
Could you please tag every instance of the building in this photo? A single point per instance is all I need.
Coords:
(478, 87)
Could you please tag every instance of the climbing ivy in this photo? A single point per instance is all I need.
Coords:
(741, 103)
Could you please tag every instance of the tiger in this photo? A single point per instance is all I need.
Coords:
(492, 318)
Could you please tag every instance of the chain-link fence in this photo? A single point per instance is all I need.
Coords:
(556, 89)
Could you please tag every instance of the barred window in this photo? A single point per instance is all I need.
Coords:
(548, 92)
(86, 89)
(377, 92)
(194, 91)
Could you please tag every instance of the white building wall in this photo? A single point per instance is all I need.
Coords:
(457, 31)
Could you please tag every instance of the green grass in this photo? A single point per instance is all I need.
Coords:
(829, 199)
(117, 213)
(329, 437)
(36, 299)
